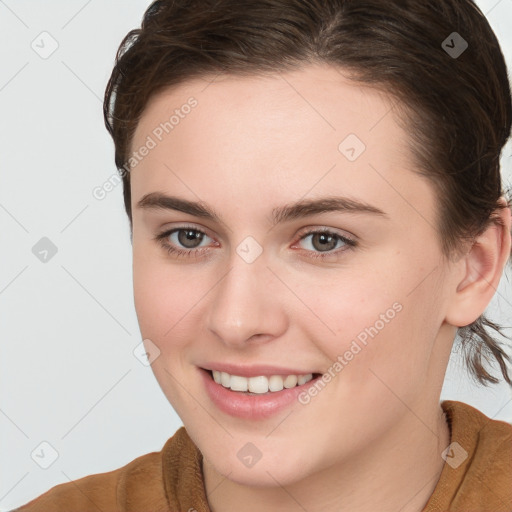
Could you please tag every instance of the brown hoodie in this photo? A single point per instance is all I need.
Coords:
(476, 477)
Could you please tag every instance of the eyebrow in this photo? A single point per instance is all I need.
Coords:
(293, 211)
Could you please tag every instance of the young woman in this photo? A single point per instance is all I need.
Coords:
(317, 211)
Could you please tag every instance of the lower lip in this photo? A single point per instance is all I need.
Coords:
(251, 407)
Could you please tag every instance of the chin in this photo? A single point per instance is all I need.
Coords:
(274, 467)
(261, 474)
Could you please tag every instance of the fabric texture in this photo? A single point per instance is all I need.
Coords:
(476, 477)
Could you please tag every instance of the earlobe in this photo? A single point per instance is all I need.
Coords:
(483, 267)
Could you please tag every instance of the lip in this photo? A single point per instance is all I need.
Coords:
(251, 407)
(255, 370)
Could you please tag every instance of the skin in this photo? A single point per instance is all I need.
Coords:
(372, 438)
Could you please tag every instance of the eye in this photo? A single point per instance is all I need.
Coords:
(325, 241)
(187, 237)
(186, 242)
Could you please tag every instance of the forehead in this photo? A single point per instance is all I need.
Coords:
(299, 132)
(320, 95)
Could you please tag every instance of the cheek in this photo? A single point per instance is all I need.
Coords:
(153, 303)
(164, 302)
(352, 307)
(167, 300)
(379, 327)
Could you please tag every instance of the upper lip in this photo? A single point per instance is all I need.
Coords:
(254, 370)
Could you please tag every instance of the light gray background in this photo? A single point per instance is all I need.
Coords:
(68, 327)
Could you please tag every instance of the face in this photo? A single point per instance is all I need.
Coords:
(351, 288)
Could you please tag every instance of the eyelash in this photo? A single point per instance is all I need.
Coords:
(188, 253)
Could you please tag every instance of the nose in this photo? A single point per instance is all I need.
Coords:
(246, 304)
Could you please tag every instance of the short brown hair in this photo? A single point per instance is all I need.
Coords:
(456, 108)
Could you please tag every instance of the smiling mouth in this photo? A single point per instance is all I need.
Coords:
(262, 384)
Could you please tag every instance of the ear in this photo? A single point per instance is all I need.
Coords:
(481, 270)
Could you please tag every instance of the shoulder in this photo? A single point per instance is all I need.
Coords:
(491, 458)
(489, 440)
(138, 482)
(478, 462)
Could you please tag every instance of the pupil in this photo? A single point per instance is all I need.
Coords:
(190, 235)
(324, 238)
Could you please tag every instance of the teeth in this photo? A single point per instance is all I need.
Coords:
(257, 384)
(275, 383)
(302, 379)
(260, 384)
(225, 379)
(290, 381)
(237, 383)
